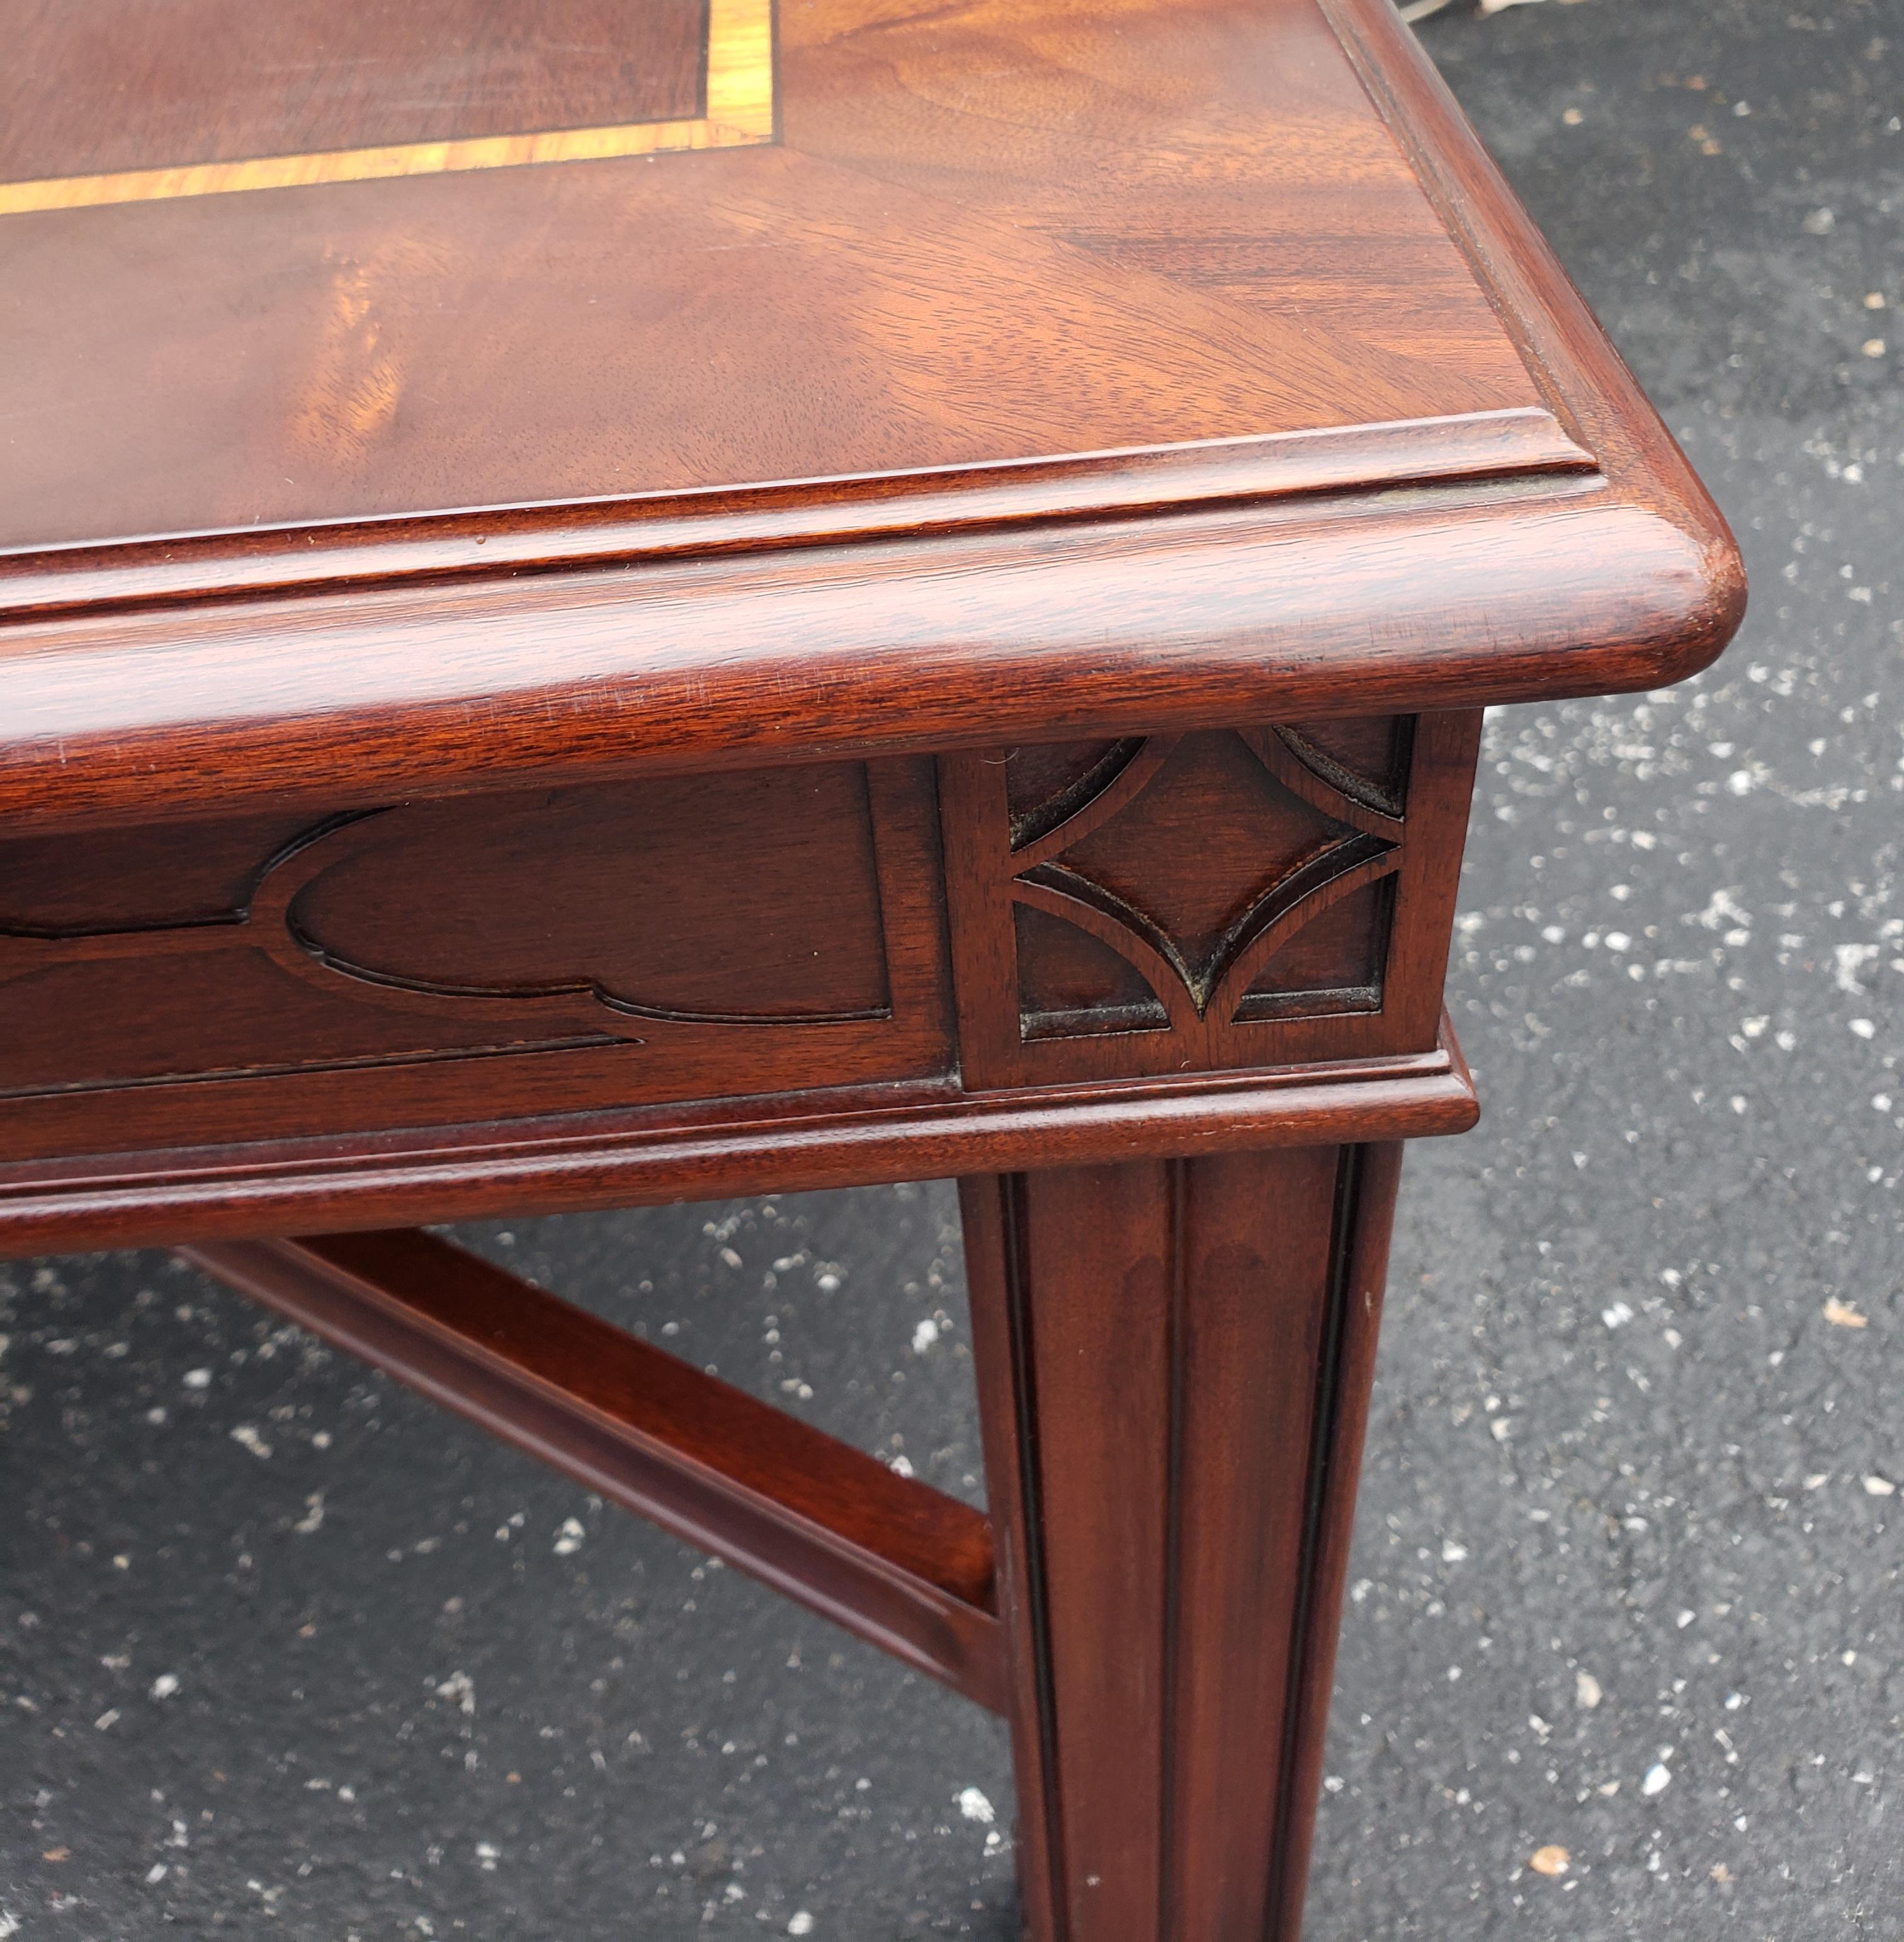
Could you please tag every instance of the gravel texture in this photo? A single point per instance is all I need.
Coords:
(284, 1651)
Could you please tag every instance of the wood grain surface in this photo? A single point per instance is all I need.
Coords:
(231, 86)
(1174, 1365)
(116, 86)
(1227, 898)
(893, 1560)
(541, 1162)
(675, 939)
(986, 234)
(895, 409)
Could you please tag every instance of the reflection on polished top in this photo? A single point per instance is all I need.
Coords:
(270, 266)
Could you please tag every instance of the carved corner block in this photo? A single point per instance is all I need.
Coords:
(1262, 895)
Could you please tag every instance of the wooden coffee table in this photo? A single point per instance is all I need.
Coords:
(614, 600)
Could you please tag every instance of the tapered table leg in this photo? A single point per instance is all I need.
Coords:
(1174, 1359)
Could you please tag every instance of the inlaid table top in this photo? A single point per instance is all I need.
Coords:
(933, 238)
(877, 335)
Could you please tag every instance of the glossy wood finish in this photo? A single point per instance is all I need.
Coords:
(118, 85)
(1258, 899)
(1174, 1365)
(708, 1150)
(1238, 898)
(1283, 465)
(945, 334)
(670, 939)
(953, 197)
(1135, 626)
(888, 1558)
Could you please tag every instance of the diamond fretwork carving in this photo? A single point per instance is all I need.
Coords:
(1195, 860)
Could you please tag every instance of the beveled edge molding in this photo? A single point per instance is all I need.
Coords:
(737, 112)
(1520, 441)
(871, 1136)
(1435, 598)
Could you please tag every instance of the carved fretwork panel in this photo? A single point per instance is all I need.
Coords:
(1338, 956)
(611, 944)
(75, 883)
(1071, 983)
(624, 902)
(1224, 898)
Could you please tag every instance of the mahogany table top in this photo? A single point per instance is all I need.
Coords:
(986, 234)
(877, 334)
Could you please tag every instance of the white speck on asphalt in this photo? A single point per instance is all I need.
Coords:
(460, 1687)
(1850, 960)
